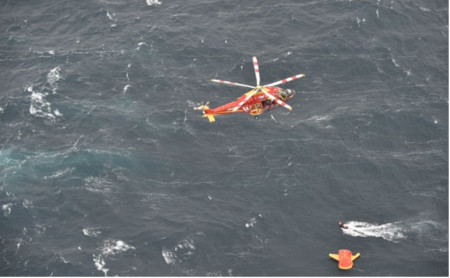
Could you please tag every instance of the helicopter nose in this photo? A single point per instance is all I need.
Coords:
(290, 93)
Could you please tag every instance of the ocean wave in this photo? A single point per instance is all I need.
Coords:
(91, 232)
(40, 106)
(7, 209)
(182, 250)
(109, 248)
(153, 2)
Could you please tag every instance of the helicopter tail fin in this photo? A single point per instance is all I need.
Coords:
(210, 118)
(207, 112)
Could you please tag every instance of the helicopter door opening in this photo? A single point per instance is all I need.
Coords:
(256, 109)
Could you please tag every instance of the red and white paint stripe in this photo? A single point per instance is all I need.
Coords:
(256, 66)
(231, 83)
(285, 105)
(285, 80)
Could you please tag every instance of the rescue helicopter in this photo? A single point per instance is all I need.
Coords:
(256, 101)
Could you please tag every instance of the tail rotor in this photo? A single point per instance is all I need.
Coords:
(207, 112)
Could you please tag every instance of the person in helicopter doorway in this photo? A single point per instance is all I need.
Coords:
(342, 226)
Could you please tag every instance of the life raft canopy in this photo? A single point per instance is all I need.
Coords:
(345, 258)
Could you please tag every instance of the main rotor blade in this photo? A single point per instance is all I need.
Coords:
(245, 100)
(231, 83)
(256, 66)
(285, 80)
(284, 104)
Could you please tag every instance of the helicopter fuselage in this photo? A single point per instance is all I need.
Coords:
(256, 104)
(256, 101)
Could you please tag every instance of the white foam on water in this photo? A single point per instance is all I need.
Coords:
(57, 113)
(53, 77)
(60, 173)
(7, 209)
(19, 243)
(389, 231)
(40, 229)
(125, 89)
(110, 247)
(100, 264)
(360, 20)
(91, 232)
(40, 106)
(185, 244)
(182, 250)
(27, 203)
(320, 118)
(423, 9)
(273, 118)
(251, 222)
(109, 15)
(113, 247)
(379, 69)
(395, 62)
(97, 184)
(63, 259)
(140, 44)
(169, 256)
(153, 2)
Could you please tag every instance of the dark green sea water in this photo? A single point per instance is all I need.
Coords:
(105, 168)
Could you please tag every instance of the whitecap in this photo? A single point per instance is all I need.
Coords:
(7, 209)
(153, 2)
(359, 20)
(395, 62)
(113, 247)
(125, 89)
(40, 106)
(140, 44)
(251, 222)
(185, 244)
(57, 113)
(91, 232)
(52, 77)
(109, 15)
(100, 264)
(169, 256)
(27, 203)
(110, 248)
(183, 249)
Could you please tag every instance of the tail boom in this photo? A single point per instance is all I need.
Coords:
(207, 112)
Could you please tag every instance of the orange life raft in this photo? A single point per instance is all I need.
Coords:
(345, 258)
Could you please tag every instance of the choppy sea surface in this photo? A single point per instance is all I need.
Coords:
(106, 169)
